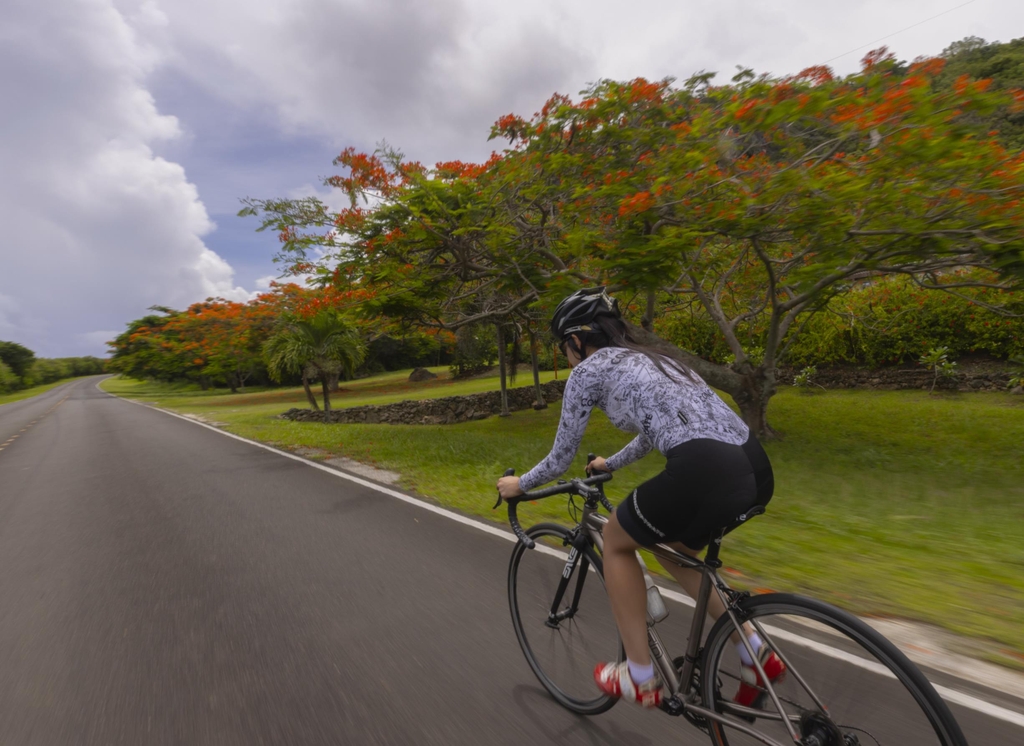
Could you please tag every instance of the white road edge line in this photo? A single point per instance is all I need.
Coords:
(950, 695)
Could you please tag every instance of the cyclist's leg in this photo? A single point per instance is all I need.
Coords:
(626, 591)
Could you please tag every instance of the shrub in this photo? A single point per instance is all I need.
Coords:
(804, 379)
(47, 370)
(8, 381)
(937, 361)
(886, 322)
(1017, 380)
(895, 321)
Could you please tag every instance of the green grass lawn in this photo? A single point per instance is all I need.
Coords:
(890, 503)
(34, 391)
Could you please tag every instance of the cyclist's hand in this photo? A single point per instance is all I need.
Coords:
(598, 464)
(509, 487)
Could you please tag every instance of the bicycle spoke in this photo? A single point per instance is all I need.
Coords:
(844, 683)
(564, 621)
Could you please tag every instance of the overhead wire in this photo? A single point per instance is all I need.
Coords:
(894, 33)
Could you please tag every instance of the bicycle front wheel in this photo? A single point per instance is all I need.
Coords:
(846, 685)
(562, 617)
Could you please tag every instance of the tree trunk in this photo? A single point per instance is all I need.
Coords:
(332, 380)
(326, 386)
(648, 320)
(541, 404)
(752, 400)
(751, 390)
(309, 393)
(501, 368)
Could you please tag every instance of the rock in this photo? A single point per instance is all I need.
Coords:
(1018, 390)
(421, 374)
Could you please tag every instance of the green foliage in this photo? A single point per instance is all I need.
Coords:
(1003, 64)
(1018, 378)
(8, 381)
(476, 350)
(803, 379)
(50, 370)
(893, 320)
(20, 368)
(692, 329)
(887, 322)
(322, 346)
(17, 357)
(756, 201)
(937, 360)
(146, 349)
(388, 352)
(47, 370)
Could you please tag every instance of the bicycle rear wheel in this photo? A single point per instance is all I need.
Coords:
(562, 617)
(846, 684)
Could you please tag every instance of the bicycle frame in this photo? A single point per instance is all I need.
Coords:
(592, 527)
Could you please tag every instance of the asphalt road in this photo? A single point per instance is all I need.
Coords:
(161, 583)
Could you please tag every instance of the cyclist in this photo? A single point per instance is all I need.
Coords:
(715, 470)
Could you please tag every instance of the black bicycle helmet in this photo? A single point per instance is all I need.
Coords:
(575, 312)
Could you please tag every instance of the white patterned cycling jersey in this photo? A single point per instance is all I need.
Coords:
(638, 398)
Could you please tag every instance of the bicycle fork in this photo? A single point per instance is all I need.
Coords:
(556, 615)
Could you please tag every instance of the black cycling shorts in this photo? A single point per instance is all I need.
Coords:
(706, 485)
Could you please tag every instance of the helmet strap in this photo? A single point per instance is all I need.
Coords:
(580, 353)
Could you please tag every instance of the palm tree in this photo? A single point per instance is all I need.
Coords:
(323, 346)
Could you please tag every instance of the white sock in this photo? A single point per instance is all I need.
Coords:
(639, 673)
(755, 643)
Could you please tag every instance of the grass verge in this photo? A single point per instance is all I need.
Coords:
(890, 503)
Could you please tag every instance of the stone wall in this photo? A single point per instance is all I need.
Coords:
(978, 379)
(444, 411)
(452, 409)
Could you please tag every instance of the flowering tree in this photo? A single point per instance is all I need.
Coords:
(761, 200)
(426, 248)
(754, 203)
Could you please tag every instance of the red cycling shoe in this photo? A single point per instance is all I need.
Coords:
(751, 692)
(614, 680)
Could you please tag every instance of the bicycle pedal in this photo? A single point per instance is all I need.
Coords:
(673, 706)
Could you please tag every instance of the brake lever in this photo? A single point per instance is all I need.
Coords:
(508, 473)
(600, 487)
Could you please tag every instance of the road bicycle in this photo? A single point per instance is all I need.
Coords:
(846, 685)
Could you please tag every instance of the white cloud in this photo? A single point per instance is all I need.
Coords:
(97, 228)
(431, 77)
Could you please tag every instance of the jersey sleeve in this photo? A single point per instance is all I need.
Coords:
(577, 404)
(635, 450)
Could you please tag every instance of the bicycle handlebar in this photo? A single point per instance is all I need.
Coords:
(576, 486)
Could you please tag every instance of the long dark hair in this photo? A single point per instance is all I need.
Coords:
(609, 331)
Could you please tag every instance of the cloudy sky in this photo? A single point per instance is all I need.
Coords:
(131, 128)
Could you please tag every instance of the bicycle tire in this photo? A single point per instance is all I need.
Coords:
(815, 637)
(531, 591)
